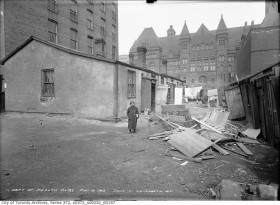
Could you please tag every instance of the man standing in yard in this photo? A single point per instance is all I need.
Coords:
(133, 115)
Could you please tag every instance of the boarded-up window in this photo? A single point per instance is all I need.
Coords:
(131, 84)
(48, 83)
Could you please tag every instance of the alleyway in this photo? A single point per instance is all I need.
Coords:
(60, 157)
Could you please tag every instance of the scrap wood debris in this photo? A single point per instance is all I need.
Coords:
(195, 143)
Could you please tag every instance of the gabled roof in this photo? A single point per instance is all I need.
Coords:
(68, 50)
(185, 31)
(203, 35)
(149, 37)
(222, 25)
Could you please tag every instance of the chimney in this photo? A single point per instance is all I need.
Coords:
(131, 59)
(252, 23)
(164, 67)
(142, 56)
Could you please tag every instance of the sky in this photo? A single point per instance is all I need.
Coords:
(134, 16)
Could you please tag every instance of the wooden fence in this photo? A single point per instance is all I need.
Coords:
(260, 98)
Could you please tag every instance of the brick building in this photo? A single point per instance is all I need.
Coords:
(204, 58)
(261, 47)
(84, 25)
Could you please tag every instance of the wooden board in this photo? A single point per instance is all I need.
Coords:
(208, 126)
(219, 149)
(244, 149)
(189, 143)
(234, 102)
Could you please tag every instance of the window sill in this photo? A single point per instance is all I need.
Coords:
(56, 12)
(74, 21)
(131, 97)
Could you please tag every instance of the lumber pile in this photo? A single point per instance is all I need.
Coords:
(197, 143)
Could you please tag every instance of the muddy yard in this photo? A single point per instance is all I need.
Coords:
(52, 157)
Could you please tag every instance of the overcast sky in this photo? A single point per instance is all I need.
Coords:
(134, 16)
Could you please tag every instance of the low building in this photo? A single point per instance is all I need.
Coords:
(41, 76)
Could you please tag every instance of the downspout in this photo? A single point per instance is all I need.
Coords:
(116, 90)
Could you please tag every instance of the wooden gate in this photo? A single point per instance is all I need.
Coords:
(234, 102)
(146, 94)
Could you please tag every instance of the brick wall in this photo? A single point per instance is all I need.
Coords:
(23, 19)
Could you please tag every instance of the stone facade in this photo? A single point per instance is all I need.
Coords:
(93, 25)
(205, 58)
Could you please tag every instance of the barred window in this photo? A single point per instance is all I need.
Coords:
(52, 30)
(48, 83)
(131, 84)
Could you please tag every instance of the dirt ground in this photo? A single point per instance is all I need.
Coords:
(54, 157)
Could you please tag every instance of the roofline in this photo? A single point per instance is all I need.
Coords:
(248, 77)
(148, 71)
(68, 50)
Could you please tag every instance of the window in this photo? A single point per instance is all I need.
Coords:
(184, 47)
(162, 80)
(197, 47)
(202, 46)
(114, 52)
(170, 52)
(213, 66)
(52, 30)
(192, 81)
(74, 12)
(213, 80)
(90, 19)
(90, 44)
(222, 58)
(222, 43)
(229, 68)
(52, 6)
(114, 39)
(48, 83)
(131, 87)
(205, 67)
(103, 6)
(114, 11)
(103, 27)
(74, 34)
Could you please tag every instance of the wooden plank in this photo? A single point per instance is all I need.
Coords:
(208, 126)
(244, 155)
(206, 148)
(189, 143)
(165, 121)
(219, 149)
(244, 149)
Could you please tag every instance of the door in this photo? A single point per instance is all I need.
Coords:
(153, 96)
(146, 94)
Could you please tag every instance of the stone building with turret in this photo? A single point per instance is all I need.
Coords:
(204, 58)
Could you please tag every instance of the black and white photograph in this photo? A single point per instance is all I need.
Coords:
(139, 101)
